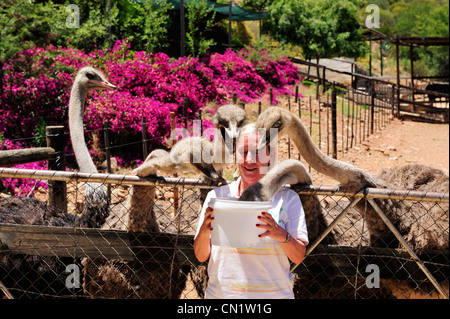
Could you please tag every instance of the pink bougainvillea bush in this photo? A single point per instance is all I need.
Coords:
(279, 73)
(37, 83)
(22, 187)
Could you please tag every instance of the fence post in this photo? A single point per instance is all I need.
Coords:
(317, 89)
(201, 123)
(372, 108)
(108, 155)
(57, 190)
(324, 89)
(289, 138)
(334, 122)
(185, 106)
(300, 117)
(175, 189)
(144, 138)
(393, 101)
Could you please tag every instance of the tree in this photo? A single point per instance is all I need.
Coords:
(23, 24)
(322, 28)
(145, 23)
(418, 18)
(200, 19)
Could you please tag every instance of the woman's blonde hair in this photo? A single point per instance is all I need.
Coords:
(249, 129)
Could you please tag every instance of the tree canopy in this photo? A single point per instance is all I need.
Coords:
(322, 28)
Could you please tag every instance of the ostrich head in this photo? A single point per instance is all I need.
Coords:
(229, 119)
(92, 79)
(273, 120)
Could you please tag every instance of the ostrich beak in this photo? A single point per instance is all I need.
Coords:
(102, 85)
(265, 138)
(230, 136)
(210, 172)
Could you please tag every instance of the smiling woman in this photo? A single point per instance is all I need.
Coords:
(252, 163)
(263, 272)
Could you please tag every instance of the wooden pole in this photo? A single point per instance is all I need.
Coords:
(108, 155)
(300, 117)
(175, 189)
(397, 54)
(57, 190)
(144, 138)
(372, 108)
(26, 155)
(411, 58)
(334, 122)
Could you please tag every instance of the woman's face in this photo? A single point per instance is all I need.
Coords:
(253, 164)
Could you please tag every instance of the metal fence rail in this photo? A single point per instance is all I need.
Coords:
(43, 257)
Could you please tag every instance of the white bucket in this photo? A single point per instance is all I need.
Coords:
(235, 222)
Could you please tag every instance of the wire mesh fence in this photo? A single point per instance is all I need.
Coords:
(143, 247)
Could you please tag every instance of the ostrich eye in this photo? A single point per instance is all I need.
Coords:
(278, 123)
(91, 76)
(223, 122)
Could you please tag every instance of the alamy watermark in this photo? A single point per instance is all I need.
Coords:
(73, 277)
(373, 279)
(373, 19)
(73, 20)
(73, 280)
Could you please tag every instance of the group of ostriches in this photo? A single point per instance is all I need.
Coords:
(146, 279)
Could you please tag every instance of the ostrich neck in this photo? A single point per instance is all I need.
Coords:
(338, 170)
(76, 109)
(140, 209)
(221, 156)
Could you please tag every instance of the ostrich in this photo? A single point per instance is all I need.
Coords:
(423, 226)
(197, 154)
(124, 276)
(191, 154)
(133, 279)
(96, 203)
(27, 211)
(353, 179)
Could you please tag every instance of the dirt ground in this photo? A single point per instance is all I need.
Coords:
(401, 142)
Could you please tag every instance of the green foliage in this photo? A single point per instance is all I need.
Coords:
(200, 19)
(421, 18)
(23, 24)
(145, 23)
(29, 22)
(416, 18)
(322, 28)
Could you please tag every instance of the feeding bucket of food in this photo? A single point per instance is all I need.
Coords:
(235, 222)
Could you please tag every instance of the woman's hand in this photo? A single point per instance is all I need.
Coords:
(202, 243)
(206, 226)
(295, 249)
(273, 230)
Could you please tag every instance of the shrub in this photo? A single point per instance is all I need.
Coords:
(37, 87)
